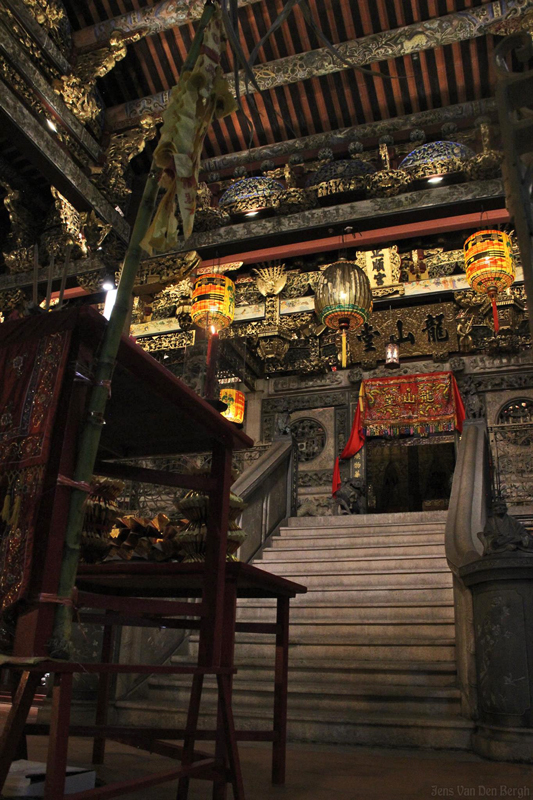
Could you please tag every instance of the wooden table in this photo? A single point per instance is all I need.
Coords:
(149, 580)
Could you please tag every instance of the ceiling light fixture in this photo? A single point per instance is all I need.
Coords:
(436, 179)
(51, 124)
(251, 213)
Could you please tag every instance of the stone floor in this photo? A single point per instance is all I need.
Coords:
(329, 773)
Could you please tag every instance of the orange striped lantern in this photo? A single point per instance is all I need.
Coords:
(235, 402)
(213, 301)
(489, 265)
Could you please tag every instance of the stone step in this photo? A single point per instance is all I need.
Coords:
(349, 539)
(380, 597)
(343, 552)
(432, 648)
(322, 671)
(394, 699)
(386, 580)
(355, 566)
(346, 631)
(316, 725)
(348, 614)
(372, 520)
(334, 528)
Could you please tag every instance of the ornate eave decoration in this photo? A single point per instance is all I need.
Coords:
(251, 194)
(294, 200)
(435, 159)
(387, 182)
(163, 270)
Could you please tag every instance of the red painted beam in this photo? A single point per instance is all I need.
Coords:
(366, 239)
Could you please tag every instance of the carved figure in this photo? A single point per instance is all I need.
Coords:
(77, 89)
(464, 329)
(502, 532)
(122, 148)
(474, 406)
(350, 498)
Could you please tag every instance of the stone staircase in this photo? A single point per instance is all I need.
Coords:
(371, 645)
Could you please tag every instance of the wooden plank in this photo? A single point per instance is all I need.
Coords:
(164, 478)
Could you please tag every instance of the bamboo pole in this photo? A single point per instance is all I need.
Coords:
(59, 646)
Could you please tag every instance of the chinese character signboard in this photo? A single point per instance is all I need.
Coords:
(420, 331)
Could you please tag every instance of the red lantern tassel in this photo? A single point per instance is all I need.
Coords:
(495, 315)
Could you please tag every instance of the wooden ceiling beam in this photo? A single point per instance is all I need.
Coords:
(55, 162)
(365, 239)
(341, 138)
(148, 20)
(386, 45)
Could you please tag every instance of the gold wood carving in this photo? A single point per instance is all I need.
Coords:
(167, 341)
(77, 89)
(111, 178)
(270, 280)
(18, 252)
(155, 273)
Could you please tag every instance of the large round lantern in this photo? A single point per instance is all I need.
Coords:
(235, 402)
(213, 301)
(343, 299)
(489, 265)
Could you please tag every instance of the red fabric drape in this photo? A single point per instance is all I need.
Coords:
(358, 433)
(354, 443)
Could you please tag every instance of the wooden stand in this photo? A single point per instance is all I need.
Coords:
(149, 413)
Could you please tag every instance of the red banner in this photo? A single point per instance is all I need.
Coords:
(407, 405)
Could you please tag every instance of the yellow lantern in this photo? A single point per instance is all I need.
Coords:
(343, 299)
(489, 265)
(213, 301)
(235, 402)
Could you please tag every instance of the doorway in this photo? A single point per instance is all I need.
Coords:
(409, 475)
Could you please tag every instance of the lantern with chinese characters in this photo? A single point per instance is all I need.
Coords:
(489, 265)
(235, 402)
(213, 301)
(343, 299)
(392, 354)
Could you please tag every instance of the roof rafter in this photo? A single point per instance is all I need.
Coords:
(386, 45)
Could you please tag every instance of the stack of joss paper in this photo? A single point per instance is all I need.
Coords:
(147, 539)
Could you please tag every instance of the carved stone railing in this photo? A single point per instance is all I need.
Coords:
(467, 515)
(511, 445)
(268, 488)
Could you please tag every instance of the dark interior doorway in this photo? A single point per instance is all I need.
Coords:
(408, 476)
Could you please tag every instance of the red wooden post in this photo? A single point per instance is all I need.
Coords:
(226, 660)
(104, 689)
(215, 558)
(281, 674)
(56, 765)
(16, 720)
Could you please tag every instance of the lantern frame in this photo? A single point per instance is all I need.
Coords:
(489, 265)
(213, 301)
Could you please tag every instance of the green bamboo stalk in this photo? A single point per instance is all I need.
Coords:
(59, 645)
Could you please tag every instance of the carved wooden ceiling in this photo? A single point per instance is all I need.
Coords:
(423, 76)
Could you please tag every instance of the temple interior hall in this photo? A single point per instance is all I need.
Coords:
(266, 399)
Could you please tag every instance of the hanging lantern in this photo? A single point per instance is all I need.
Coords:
(213, 301)
(392, 354)
(235, 402)
(343, 299)
(489, 265)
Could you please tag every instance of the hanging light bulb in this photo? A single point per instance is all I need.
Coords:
(392, 354)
